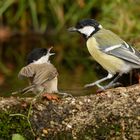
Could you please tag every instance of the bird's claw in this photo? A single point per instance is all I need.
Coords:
(108, 86)
(112, 85)
(65, 94)
(93, 84)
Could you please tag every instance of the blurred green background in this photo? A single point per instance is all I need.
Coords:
(26, 24)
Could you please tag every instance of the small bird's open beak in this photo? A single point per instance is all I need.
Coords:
(49, 51)
(72, 29)
(52, 54)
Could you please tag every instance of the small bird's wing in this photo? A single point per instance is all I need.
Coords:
(52, 75)
(46, 72)
(26, 71)
(125, 52)
(51, 72)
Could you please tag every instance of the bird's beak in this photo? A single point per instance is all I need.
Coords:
(49, 51)
(52, 54)
(72, 29)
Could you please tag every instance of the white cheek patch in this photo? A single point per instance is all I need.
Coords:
(100, 26)
(42, 60)
(87, 30)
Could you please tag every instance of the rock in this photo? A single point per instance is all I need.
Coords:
(113, 114)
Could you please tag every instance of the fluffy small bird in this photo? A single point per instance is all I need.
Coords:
(108, 49)
(42, 75)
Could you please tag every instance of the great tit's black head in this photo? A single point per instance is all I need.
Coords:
(87, 27)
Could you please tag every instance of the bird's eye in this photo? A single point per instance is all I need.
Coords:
(79, 26)
(44, 53)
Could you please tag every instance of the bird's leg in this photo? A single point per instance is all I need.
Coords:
(100, 87)
(109, 76)
(24, 90)
(64, 94)
(112, 83)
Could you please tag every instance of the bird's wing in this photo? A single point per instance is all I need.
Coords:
(51, 72)
(124, 51)
(45, 73)
(26, 71)
(52, 75)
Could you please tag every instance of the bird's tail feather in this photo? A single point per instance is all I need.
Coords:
(24, 90)
(29, 88)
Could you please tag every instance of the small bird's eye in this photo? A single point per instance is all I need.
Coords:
(44, 53)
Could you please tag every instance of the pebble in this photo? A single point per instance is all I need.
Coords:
(45, 131)
(87, 100)
(80, 103)
(69, 126)
(40, 108)
(138, 100)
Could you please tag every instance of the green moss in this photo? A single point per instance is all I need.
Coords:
(13, 124)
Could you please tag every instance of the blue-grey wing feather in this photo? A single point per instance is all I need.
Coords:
(107, 39)
(126, 53)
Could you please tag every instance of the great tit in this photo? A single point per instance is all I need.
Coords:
(42, 75)
(108, 49)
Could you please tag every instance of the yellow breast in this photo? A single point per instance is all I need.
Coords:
(110, 63)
